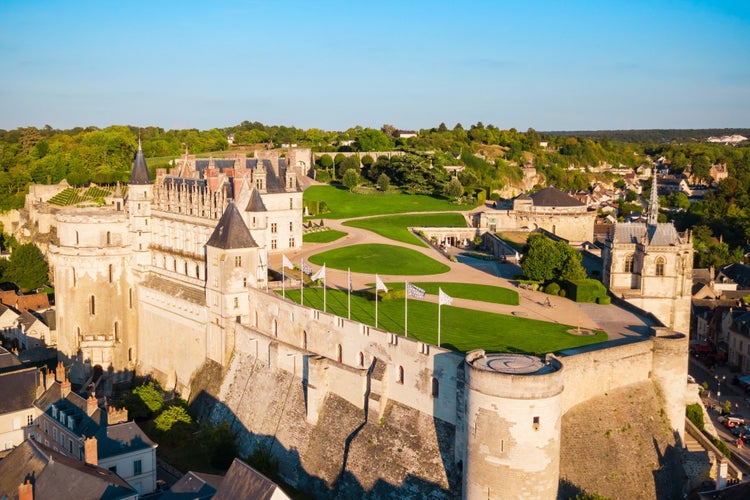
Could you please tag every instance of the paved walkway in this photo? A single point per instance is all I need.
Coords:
(617, 322)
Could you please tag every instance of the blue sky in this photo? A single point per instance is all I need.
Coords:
(551, 65)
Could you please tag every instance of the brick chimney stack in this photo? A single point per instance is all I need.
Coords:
(60, 372)
(26, 491)
(91, 405)
(90, 454)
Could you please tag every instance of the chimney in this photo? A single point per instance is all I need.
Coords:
(92, 404)
(721, 474)
(26, 491)
(60, 372)
(90, 454)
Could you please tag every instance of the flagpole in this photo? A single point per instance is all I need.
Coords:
(324, 293)
(439, 306)
(406, 308)
(376, 301)
(302, 282)
(349, 293)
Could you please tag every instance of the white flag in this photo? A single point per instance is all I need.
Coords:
(349, 275)
(414, 291)
(443, 298)
(379, 285)
(320, 274)
(285, 262)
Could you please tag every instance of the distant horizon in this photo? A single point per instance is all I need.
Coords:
(552, 66)
(467, 126)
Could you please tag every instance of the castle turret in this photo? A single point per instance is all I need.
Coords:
(232, 261)
(670, 370)
(512, 426)
(139, 197)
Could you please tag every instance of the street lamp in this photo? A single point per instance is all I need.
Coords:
(719, 380)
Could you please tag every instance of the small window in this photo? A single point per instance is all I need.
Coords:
(629, 263)
(137, 468)
(111, 273)
(92, 305)
(338, 353)
(400, 375)
(361, 360)
(291, 226)
(274, 227)
(304, 339)
(273, 244)
(236, 302)
(435, 388)
(291, 242)
(660, 266)
(291, 200)
(237, 261)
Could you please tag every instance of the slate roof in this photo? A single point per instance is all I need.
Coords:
(739, 273)
(18, 389)
(122, 438)
(193, 486)
(57, 476)
(553, 197)
(73, 406)
(256, 202)
(242, 481)
(231, 231)
(140, 173)
(9, 361)
(662, 234)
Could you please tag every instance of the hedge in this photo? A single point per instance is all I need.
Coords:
(585, 290)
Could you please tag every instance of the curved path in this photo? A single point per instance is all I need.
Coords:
(617, 322)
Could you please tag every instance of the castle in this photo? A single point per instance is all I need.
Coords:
(171, 277)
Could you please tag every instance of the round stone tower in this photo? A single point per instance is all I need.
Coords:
(94, 299)
(669, 373)
(513, 419)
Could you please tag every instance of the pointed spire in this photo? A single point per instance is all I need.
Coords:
(653, 204)
(140, 173)
(231, 231)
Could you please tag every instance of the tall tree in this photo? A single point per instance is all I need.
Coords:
(27, 268)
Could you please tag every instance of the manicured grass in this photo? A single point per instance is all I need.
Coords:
(344, 205)
(483, 293)
(461, 329)
(382, 259)
(323, 236)
(396, 227)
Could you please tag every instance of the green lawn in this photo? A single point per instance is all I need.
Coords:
(461, 329)
(323, 236)
(382, 259)
(395, 226)
(345, 205)
(483, 293)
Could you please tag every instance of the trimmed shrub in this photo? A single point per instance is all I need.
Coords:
(585, 290)
(562, 293)
(481, 197)
(604, 300)
(694, 413)
(552, 289)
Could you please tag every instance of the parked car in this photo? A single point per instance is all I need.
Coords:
(732, 420)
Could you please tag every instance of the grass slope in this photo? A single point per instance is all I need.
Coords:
(344, 205)
(483, 293)
(461, 329)
(383, 259)
(395, 227)
(323, 236)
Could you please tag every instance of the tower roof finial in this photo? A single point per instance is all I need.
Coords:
(653, 204)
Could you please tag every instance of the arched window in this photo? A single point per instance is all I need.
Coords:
(629, 263)
(400, 375)
(338, 353)
(435, 387)
(361, 360)
(660, 266)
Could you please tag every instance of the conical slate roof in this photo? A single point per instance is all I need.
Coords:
(256, 202)
(140, 173)
(231, 231)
